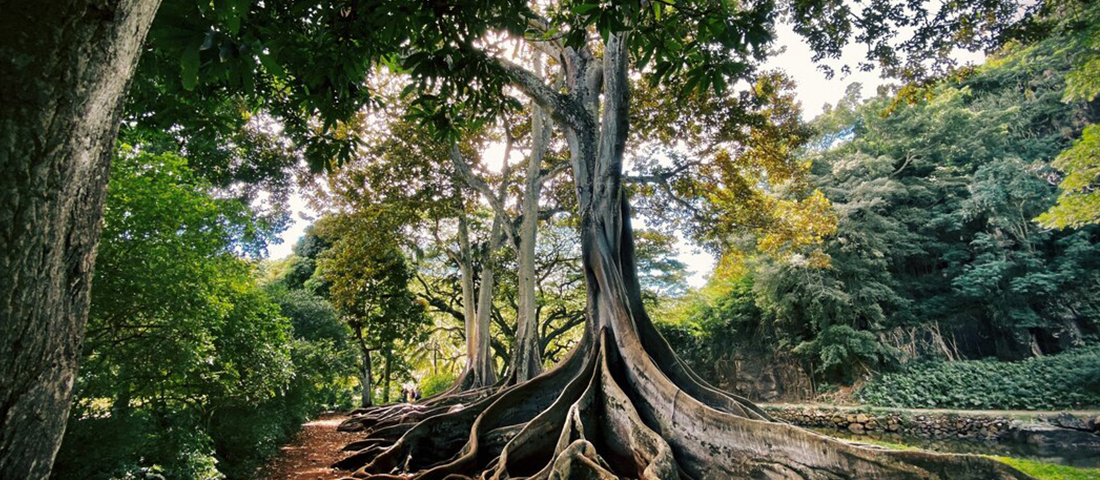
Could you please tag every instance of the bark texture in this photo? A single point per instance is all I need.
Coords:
(526, 361)
(622, 405)
(366, 380)
(64, 70)
(479, 370)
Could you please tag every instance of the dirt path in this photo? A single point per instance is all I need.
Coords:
(315, 448)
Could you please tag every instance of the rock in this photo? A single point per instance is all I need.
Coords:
(1068, 420)
(862, 418)
(1048, 438)
(856, 428)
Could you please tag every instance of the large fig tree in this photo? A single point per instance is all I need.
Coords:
(623, 404)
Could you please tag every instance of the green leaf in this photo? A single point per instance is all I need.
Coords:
(189, 64)
(584, 8)
(271, 65)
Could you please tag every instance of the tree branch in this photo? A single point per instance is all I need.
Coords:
(478, 184)
(562, 108)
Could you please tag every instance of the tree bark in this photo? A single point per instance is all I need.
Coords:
(526, 359)
(479, 361)
(386, 376)
(64, 70)
(366, 380)
(483, 371)
(526, 362)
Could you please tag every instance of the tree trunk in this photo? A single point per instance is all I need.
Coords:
(466, 269)
(64, 70)
(386, 376)
(483, 371)
(120, 407)
(367, 380)
(526, 362)
(622, 404)
(479, 367)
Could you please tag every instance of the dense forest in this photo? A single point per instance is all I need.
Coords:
(492, 282)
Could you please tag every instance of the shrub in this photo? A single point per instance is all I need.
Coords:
(1067, 380)
(435, 383)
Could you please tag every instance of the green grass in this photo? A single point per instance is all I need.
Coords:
(1050, 471)
(880, 443)
(1039, 470)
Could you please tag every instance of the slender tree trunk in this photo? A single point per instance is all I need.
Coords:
(366, 381)
(483, 371)
(386, 376)
(120, 407)
(526, 362)
(478, 358)
(64, 70)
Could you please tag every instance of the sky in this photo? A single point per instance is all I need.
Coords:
(813, 90)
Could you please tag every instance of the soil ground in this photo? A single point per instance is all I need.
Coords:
(315, 448)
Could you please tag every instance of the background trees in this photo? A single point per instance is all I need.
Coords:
(369, 282)
(937, 253)
(191, 369)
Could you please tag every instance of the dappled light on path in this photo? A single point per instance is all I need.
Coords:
(311, 453)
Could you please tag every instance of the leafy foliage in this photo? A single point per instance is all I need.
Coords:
(935, 253)
(1067, 380)
(1079, 202)
(190, 369)
(369, 280)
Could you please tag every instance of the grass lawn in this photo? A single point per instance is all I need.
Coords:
(1050, 471)
(1039, 470)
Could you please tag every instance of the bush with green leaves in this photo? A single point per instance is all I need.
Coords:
(191, 369)
(1067, 380)
(435, 383)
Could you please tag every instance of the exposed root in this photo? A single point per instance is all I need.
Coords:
(624, 406)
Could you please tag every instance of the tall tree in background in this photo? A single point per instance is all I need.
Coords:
(369, 286)
(399, 168)
(525, 359)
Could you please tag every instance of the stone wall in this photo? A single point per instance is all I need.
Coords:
(931, 425)
(1074, 437)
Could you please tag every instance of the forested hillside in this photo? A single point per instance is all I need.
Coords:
(937, 255)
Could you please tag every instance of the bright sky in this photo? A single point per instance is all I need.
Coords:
(814, 90)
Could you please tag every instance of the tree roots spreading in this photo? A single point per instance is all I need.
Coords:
(622, 406)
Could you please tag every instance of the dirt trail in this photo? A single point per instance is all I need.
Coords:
(315, 448)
